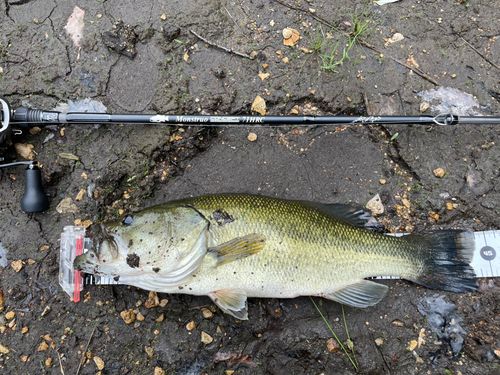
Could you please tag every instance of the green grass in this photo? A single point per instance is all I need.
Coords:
(336, 338)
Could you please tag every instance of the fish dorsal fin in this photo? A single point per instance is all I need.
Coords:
(362, 293)
(349, 213)
(233, 302)
(238, 248)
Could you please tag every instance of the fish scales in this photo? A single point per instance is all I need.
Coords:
(234, 246)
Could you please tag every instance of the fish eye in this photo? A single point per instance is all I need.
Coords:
(128, 220)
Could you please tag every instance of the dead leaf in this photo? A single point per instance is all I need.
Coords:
(25, 150)
(259, 105)
(75, 25)
(264, 76)
(234, 360)
(290, 36)
(65, 155)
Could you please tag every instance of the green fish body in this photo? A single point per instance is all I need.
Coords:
(235, 246)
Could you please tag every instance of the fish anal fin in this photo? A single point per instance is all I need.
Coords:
(362, 293)
(233, 302)
(238, 248)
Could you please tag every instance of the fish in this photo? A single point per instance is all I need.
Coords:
(234, 246)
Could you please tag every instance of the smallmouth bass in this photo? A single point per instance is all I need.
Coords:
(234, 246)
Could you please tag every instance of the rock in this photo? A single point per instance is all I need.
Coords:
(10, 315)
(413, 345)
(25, 330)
(46, 310)
(332, 345)
(290, 36)
(161, 318)
(163, 302)
(379, 341)
(140, 317)
(191, 325)
(4, 349)
(264, 76)
(259, 105)
(207, 314)
(397, 37)
(25, 150)
(149, 351)
(252, 137)
(375, 205)
(153, 300)
(159, 371)
(99, 362)
(67, 206)
(43, 346)
(80, 195)
(17, 265)
(424, 107)
(206, 338)
(48, 362)
(128, 316)
(382, 181)
(439, 172)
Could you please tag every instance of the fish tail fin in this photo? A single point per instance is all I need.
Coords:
(448, 255)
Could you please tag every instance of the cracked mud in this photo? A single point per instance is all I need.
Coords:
(141, 57)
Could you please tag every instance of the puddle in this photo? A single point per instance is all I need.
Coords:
(450, 100)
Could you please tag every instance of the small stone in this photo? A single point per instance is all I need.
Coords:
(159, 371)
(149, 351)
(397, 37)
(25, 150)
(67, 206)
(264, 76)
(128, 316)
(286, 60)
(153, 300)
(35, 130)
(398, 323)
(406, 202)
(62, 132)
(424, 107)
(31, 261)
(17, 265)
(191, 325)
(163, 302)
(413, 345)
(290, 37)
(24, 358)
(48, 362)
(161, 318)
(259, 105)
(449, 206)
(3, 349)
(379, 341)
(207, 314)
(99, 362)
(206, 338)
(25, 330)
(271, 23)
(43, 346)
(218, 330)
(140, 317)
(375, 205)
(382, 182)
(121, 211)
(80, 195)
(294, 111)
(252, 137)
(163, 17)
(46, 310)
(332, 345)
(453, 75)
(439, 172)
(264, 66)
(47, 338)
(99, 16)
(10, 315)
(84, 175)
(43, 248)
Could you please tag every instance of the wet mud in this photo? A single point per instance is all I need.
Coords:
(140, 57)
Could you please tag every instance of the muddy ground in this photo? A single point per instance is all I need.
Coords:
(140, 57)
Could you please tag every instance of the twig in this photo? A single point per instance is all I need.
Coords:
(233, 19)
(480, 54)
(60, 362)
(361, 41)
(221, 47)
(85, 351)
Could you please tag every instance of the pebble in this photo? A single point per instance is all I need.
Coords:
(439, 172)
(332, 345)
(252, 137)
(66, 206)
(46, 310)
(10, 315)
(17, 265)
(379, 341)
(449, 206)
(375, 205)
(99, 362)
(191, 325)
(159, 371)
(153, 300)
(43, 346)
(48, 362)
(382, 182)
(128, 316)
(163, 302)
(207, 314)
(149, 351)
(206, 338)
(25, 330)
(161, 318)
(140, 317)
(413, 344)
(4, 349)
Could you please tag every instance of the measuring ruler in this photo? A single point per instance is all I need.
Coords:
(485, 262)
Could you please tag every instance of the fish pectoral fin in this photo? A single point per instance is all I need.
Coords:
(362, 293)
(238, 248)
(233, 302)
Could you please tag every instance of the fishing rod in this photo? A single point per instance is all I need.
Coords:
(24, 118)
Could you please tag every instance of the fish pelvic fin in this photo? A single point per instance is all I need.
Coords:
(448, 256)
(233, 302)
(362, 293)
(238, 248)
